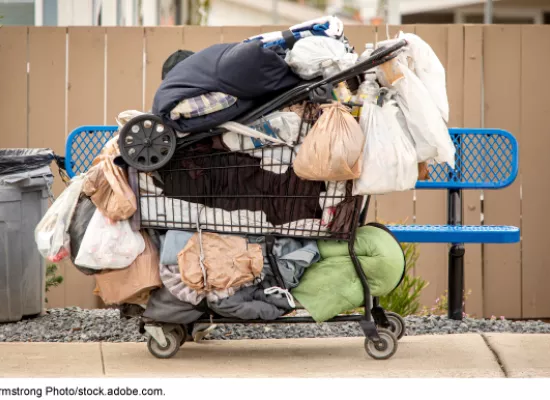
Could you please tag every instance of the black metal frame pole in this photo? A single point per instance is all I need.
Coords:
(367, 322)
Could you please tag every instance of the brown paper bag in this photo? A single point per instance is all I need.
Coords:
(332, 149)
(132, 283)
(108, 188)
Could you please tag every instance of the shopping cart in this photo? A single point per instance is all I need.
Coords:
(154, 153)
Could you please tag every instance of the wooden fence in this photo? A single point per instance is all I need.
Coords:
(53, 80)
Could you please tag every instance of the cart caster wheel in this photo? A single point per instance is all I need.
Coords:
(182, 334)
(145, 143)
(385, 348)
(397, 324)
(171, 348)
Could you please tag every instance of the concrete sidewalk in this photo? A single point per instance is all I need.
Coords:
(466, 355)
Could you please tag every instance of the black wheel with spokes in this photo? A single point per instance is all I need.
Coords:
(146, 143)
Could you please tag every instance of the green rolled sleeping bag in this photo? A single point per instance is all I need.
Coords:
(331, 286)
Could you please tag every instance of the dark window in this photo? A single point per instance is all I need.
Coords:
(478, 19)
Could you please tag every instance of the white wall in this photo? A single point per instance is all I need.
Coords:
(223, 13)
(109, 13)
(71, 12)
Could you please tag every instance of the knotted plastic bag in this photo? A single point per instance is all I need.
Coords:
(109, 245)
(332, 149)
(317, 55)
(52, 232)
(389, 160)
(107, 186)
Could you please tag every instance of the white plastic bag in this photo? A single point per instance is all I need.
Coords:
(429, 69)
(108, 245)
(389, 159)
(312, 56)
(52, 232)
(426, 126)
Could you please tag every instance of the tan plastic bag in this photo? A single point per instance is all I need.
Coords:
(389, 73)
(107, 186)
(229, 261)
(332, 149)
(135, 282)
(423, 171)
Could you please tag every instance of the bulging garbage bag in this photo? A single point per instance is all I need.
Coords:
(317, 55)
(389, 159)
(109, 245)
(52, 232)
(332, 149)
(20, 160)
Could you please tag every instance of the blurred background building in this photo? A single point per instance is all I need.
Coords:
(262, 12)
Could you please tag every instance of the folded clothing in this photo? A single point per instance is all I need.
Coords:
(252, 303)
(292, 257)
(204, 104)
(332, 286)
(165, 307)
(171, 279)
(172, 243)
(164, 212)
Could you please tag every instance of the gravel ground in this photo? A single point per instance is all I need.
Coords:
(77, 325)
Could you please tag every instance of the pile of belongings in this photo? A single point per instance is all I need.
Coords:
(375, 139)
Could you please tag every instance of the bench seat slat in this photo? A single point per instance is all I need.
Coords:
(455, 234)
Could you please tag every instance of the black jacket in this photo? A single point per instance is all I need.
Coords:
(244, 70)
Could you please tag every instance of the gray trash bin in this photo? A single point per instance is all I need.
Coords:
(24, 180)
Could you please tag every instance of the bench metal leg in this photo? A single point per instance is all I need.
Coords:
(456, 281)
(456, 258)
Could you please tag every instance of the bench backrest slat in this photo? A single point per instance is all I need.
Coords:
(84, 144)
(485, 158)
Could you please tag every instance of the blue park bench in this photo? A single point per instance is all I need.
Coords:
(486, 159)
